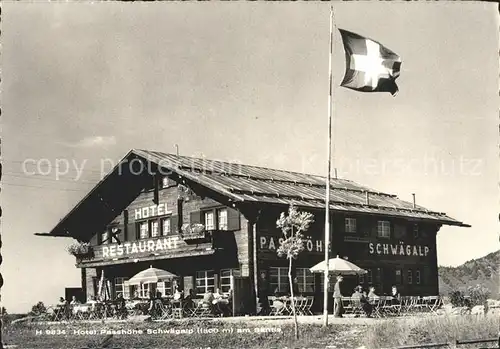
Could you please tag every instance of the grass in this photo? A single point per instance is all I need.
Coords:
(189, 333)
(395, 333)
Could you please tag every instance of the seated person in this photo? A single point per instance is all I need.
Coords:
(357, 292)
(278, 304)
(152, 303)
(136, 296)
(396, 295)
(356, 296)
(190, 299)
(371, 293)
(295, 288)
(208, 298)
(74, 301)
(177, 294)
(120, 305)
(92, 302)
(220, 302)
(365, 304)
(217, 294)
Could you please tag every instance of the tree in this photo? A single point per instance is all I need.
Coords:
(293, 226)
(38, 309)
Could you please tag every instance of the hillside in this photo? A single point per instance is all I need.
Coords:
(482, 271)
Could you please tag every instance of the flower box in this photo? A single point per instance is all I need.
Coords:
(194, 233)
(81, 250)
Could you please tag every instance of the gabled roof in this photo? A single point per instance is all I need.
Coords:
(237, 182)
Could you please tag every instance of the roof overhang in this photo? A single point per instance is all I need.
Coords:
(116, 191)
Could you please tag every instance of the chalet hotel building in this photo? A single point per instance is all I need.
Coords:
(145, 212)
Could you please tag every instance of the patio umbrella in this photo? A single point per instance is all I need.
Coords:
(338, 266)
(151, 276)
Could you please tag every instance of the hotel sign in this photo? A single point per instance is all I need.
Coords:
(140, 247)
(151, 211)
(271, 243)
(398, 249)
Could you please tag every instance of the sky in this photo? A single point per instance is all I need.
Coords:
(83, 83)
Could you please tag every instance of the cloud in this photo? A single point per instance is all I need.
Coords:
(90, 142)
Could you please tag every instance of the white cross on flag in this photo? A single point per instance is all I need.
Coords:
(370, 67)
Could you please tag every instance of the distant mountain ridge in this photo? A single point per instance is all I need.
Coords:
(482, 271)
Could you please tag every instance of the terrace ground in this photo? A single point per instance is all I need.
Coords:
(253, 332)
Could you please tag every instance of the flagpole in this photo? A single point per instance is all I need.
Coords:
(327, 200)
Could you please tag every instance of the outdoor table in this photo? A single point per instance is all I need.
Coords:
(285, 309)
(81, 311)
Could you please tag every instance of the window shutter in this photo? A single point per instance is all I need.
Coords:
(195, 217)
(94, 240)
(174, 226)
(180, 218)
(121, 234)
(131, 232)
(188, 284)
(374, 232)
(233, 219)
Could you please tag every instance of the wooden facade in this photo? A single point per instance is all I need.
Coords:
(407, 258)
(238, 207)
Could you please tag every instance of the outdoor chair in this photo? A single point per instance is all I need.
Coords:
(188, 308)
(356, 306)
(57, 313)
(299, 305)
(202, 309)
(406, 306)
(165, 311)
(377, 303)
(347, 305)
(275, 309)
(419, 304)
(308, 305)
(392, 306)
(177, 309)
(433, 303)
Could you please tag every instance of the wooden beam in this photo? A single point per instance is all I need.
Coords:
(102, 263)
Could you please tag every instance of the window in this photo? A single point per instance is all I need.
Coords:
(378, 276)
(209, 220)
(143, 230)
(305, 279)
(361, 279)
(154, 229)
(222, 219)
(225, 279)
(415, 231)
(204, 281)
(410, 277)
(144, 292)
(350, 225)
(331, 282)
(417, 277)
(165, 287)
(166, 229)
(278, 279)
(105, 238)
(165, 182)
(384, 229)
(120, 287)
(399, 277)
(369, 277)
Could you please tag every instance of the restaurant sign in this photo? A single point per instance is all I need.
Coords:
(398, 249)
(271, 243)
(142, 246)
(151, 211)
